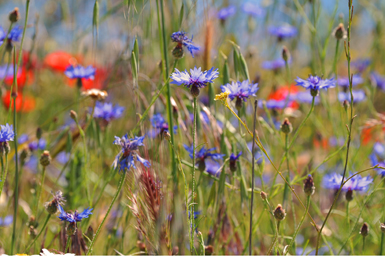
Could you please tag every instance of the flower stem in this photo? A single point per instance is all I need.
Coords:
(363, 245)
(252, 178)
(4, 173)
(300, 223)
(193, 179)
(68, 244)
(121, 181)
(39, 192)
(38, 235)
(288, 171)
(275, 238)
(382, 243)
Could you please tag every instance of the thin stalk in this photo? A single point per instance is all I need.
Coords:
(4, 175)
(363, 245)
(382, 243)
(121, 181)
(193, 179)
(275, 238)
(288, 171)
(300, 223)
(39, 192)
(68, 244)
(347, 53)
(347, 214)
(38, 235)
(252, 178)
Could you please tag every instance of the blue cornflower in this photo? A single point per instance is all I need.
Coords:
(75, 217)
(252, 9)
(378, 157)
(361, 64)
(315, 83)
(63, 157)
(15, 34)
(196, 79)
(344, 81)
(79, 72)
(274, 65)
(202, 157)
(358, 96)
(2, 35)
(182, 40)
(233, 161)
(378, 80)
(283, 32)
(226, 12)
(6, 221)
(357, 183)
(6, 72)
(160, 125)
(240, 90)
(127, 155)
(6, 133)
(107, 111)
(23, 138)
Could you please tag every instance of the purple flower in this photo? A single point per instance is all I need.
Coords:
(305, 97)
(31, 164)
(182, 40)
(15, 34)
(240, 90)
(226, 12)
(6, 133)
(160, 125)
(344, 81)
(23, 139)
(6, 72)
(75, 217)
(128, 154)
(79, 72)
(2, 35)
(35, 145)
(283, 32)
(361, 64)
(358, 96)
(195, 78)
(315, 83)
(358, 183)
(202, 157)
(6, 221)
(63, 157)
(378, 157)
(274, 64)
(252, 9)
(333, 141)
(378, 80)
(233, 161)
(107, 112)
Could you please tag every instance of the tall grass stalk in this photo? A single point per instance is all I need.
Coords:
(38, 235)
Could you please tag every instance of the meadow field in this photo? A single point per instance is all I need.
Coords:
(192, 127)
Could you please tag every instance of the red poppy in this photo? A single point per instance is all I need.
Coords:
(23, 103)
(60, 60)
(23, 77)
(283, 92)
(366, 135)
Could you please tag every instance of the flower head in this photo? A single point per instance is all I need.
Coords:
(182, 40)
(128, 154)
(57, 200)
(63, 157)
(226, 12)
(233, 161)
(361, 64)
(202, 155)
(240, 90)
(6, 221)
(378, 80)
(15, 34)
(252, 9)
(283, 32)
(358, 183)
(315, 83)
(73, 217)
(378, 157)
(160, 125)
(6, 133)
(95, 94)
(344, 81)
(79, 72)
(358, 96)
(107, 111)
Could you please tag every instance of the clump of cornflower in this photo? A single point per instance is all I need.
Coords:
(196, 79)
(241, 91)
(53, 205)
(203, 157)
(358, 96)
(315, 83)
(106, 112)
(13, 36)
(182, 40)
(6, 221)
(73, 218)
(282, 32)
(360, 65)
(79, 72)
(378, 80)
(226, 13)
(160, 126)
(377, 157)
(252, 9)
(6, 135)
(233, 161)
(274, 65)
(344, 81)
(129, 153)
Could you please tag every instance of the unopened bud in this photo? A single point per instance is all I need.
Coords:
(209, 250)
(38, 133)
(73, 115)
(339, 32)
(175, 250)
(4, 148)
(346, 105)
(286, 126)
(194, 91)
(308, 186)
(285, 54)
(177, 52)
(141, 245)
(382, 227)
(166, 135)
(24, 154)
(45, 158)
(263, 196)
(279, 213)
(14, 15)
(364, 229)
(71, 229)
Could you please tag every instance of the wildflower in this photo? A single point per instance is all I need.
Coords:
(182, 40)
(274, 65)
(344, 81)
(160, 125)
(252, 10)
(6, 135)
(339, 32)
(315, 83)
(378, 157)
(127, 155)
(364, 229)
(63, 157)
(79, 72)
(222, 97)
(6, 221)
(378, 80)
(282, 32)
(358, 96)
(308, 185)
(361, 64)
(203, 155)
(233, 161)
(23, 103)
(45, 252)
(226, 12)
(357, 183)
(107, 112)
(13, 36)
(286, 126)
(53, 205)
(196, 79)
(73, 218)
(45, 158)
(279, 213)
(95, 94)
(59, 60)
(240, 90)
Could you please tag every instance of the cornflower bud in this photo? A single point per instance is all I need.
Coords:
(364, 229)
(308, 186)
(263, 196)
(14, 15)
(285, 54)
(286, 126)
(279, 213)
(382, 227)
(74, 115)
(45, 158)
(339, 32)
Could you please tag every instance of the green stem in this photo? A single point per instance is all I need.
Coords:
(382, 243)
(40, 190)
(121, 181)
(363, 245)
(38, 235)
(4, 175)
(300, 223)
(68, 244)
(193, 179)
(275, 238)
(288, 171)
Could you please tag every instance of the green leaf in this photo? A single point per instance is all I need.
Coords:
(226, 73)
(134, 66)
(136, 51)
(243, 67)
